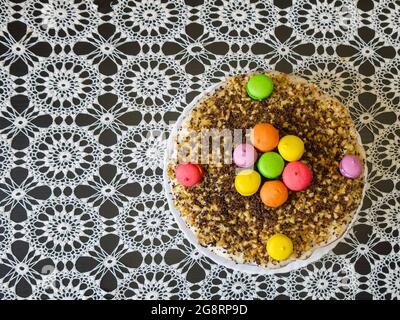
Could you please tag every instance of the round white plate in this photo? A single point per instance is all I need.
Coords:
(210, 252)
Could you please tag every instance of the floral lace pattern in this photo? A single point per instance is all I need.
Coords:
(63, 155)
(151, 21)
(64, 84)
(88, 98)
(60, 21)
(63, 228)
(326, 22)
(238, 21)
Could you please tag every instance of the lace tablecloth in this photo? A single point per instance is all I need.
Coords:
(88, 96)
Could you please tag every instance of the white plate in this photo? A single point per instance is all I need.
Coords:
(220, 258)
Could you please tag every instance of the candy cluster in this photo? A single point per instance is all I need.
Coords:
(276, 159)
(296, 175)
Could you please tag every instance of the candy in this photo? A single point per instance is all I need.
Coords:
(279, 247)
(247, 182)
(244, 155)
(273, 193)
(297, 176)
(259, 86)
(270, 165)
(291, 148)
(189, 174)
(351, 166)
(264, 137)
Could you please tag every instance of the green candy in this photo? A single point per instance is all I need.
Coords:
(270, 165)
(259, 86)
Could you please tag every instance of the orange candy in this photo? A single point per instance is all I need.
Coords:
(273, 193)
(264, 137)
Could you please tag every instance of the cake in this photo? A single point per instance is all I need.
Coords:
(239, 226)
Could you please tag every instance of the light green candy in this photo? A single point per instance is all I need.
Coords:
(259, 86)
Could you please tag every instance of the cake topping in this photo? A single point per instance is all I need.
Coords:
(189, 174)
(259, 86)
(291, 148)
(351, 166)
(279, 247)
(264, 137)
(297, 176)
(244, 155)
(273, 193)
(247, 182)
(270, 165)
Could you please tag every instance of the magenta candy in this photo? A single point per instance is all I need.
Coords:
(351, 166)
(244, 155)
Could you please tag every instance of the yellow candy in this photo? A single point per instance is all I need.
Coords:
(247, 182)
(279, 247)
(291, 148)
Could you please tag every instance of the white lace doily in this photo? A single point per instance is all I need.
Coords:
(88, 99)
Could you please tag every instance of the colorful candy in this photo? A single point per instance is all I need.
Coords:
(297, 176)
(291, 148)
(270, 165)
(279, 247)
(247, 182)
(273, 193)
(244, 155)
(351, 166)
(189, 174)
(264, 137)
(259, 86)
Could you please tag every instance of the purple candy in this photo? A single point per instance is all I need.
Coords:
(244, 155)
(351, 166)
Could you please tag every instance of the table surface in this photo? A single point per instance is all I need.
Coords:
(87, 94)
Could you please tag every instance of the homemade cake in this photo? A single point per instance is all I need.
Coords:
(240, 225)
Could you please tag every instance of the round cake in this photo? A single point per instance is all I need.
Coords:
(238, 215)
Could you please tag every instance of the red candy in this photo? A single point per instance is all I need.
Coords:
(297, 176)
(189, 174)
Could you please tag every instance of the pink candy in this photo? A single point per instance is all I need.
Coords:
(244, 155)
(351, 166)
(189, 174)
(297, 176)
